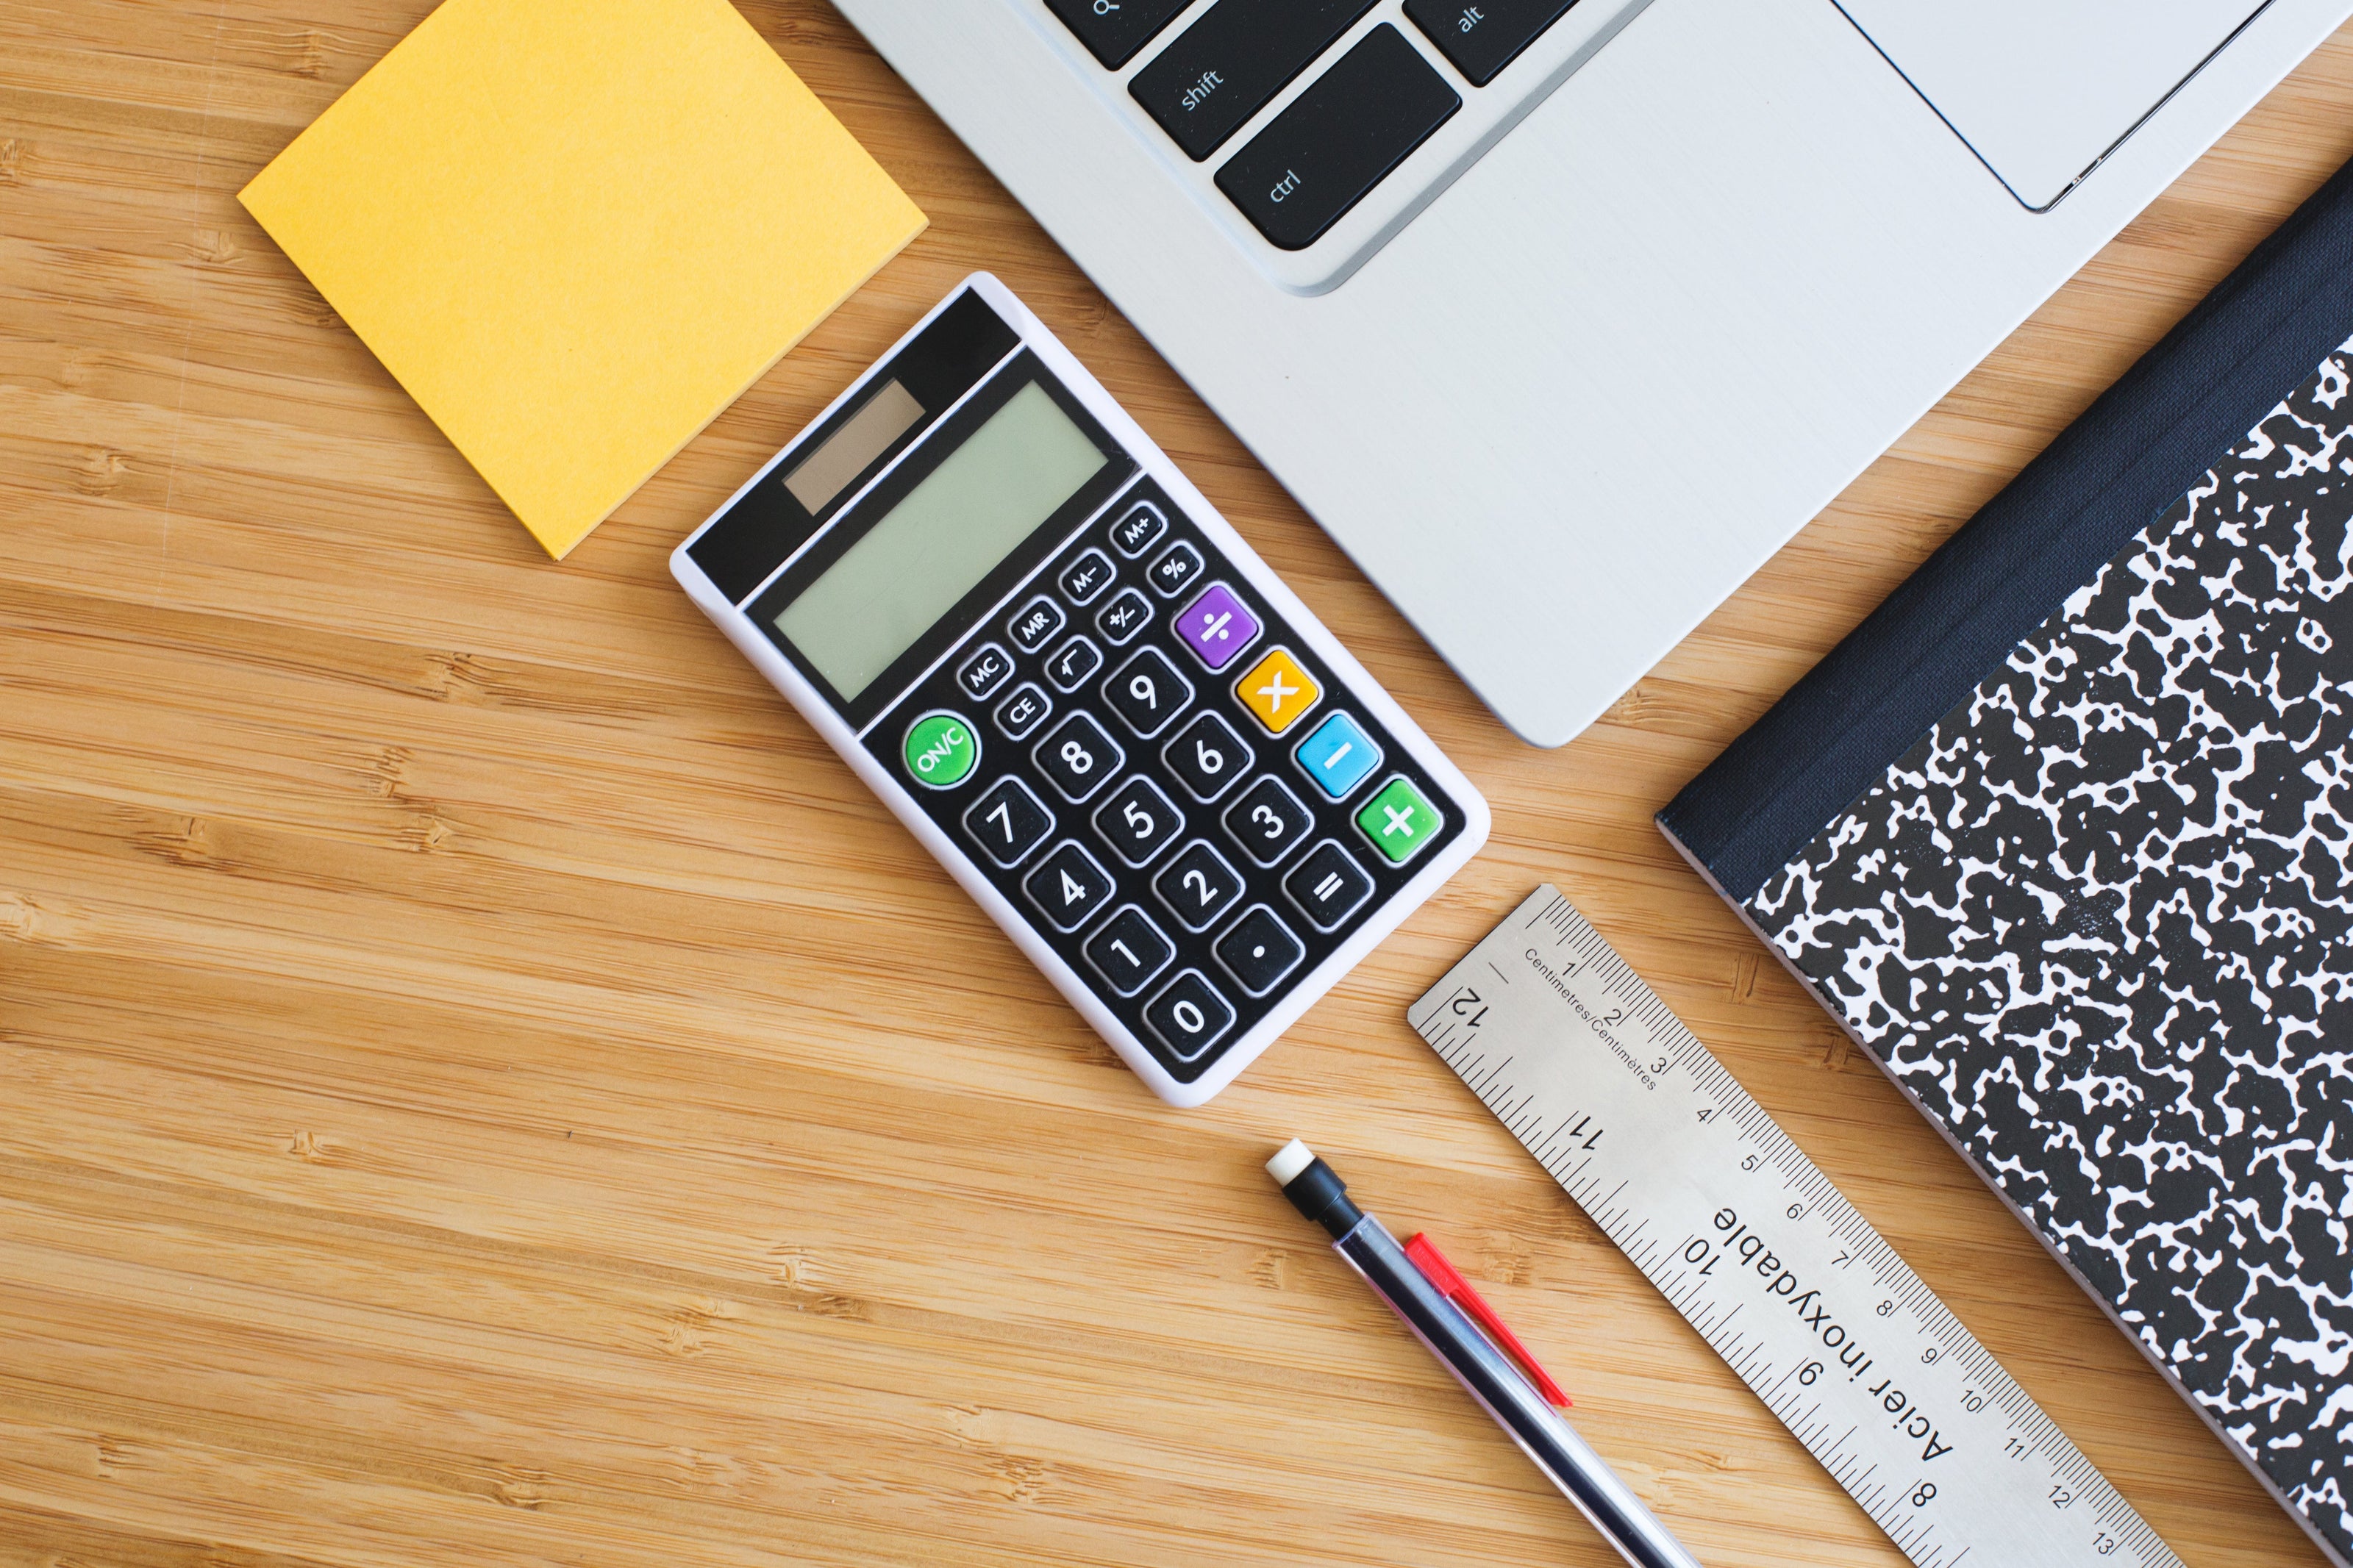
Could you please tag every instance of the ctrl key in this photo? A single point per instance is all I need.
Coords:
(1189, 1016)
(1339, 139)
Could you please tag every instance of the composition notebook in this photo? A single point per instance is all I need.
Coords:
(2063, 835)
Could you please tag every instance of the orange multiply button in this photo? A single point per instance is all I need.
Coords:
(1278, 691)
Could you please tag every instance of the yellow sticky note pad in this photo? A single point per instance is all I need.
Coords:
(577, 232)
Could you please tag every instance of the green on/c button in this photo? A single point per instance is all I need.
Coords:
(1400, 821)
(942, 750)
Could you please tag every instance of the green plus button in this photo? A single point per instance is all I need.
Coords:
(942, 750)
(1400, 821)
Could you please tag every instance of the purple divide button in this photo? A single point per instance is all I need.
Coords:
(1215, 626)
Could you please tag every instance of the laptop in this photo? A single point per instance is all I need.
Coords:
(1561, 316)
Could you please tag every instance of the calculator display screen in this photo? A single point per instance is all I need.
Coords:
(855, 619)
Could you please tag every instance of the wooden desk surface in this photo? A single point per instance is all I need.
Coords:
(483, 1084)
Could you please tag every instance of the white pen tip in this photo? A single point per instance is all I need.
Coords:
(1289, 1161)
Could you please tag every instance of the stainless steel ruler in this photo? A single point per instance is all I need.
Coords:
(1639, 1124)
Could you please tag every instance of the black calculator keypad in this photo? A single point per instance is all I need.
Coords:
(1078, 758)
(1207, 757)
(1198, 886)
(1146, 692)
(1023, 712)
(1068, 886)
(1189, 863)
(1189, 1016)
(1268, 822)
(1129, 951)
(1260, 951)
(1138, 821)
(1175, 570)
(1007, 822)
(1039, 619)
(1082, 579)
(1127, 614)
(1073, 662)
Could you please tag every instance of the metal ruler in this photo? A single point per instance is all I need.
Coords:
(1638, 1123)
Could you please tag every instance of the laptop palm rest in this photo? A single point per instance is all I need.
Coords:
(2043, 90)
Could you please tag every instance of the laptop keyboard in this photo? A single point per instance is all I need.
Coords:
(1371, 105)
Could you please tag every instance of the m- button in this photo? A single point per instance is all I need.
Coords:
(1278, 691)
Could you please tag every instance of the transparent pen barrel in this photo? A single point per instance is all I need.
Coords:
(1496, 1383)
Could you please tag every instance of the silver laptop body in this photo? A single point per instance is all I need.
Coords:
(1561, 361)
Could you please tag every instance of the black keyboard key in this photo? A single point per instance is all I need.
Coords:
(1129, 951)
(984, 671)
(1068, 886)
(1268, 822)
(1138, 822)
(1077, 757)
(1023, 712)
(1124, 616)
(1198, 886)
(1223, 69)
(1007, 822)
(1147, 692)
(1338, 140)
(1482, 38)
(1189, 1016)
(1328, 886)
(1260, 951)
(1073, 662)
(1113, 30)
(1084, 578)
(1137, 528)
(1177, 567)
(1207, 757)
(1040, 618)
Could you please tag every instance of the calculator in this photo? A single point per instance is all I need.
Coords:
(981, 582)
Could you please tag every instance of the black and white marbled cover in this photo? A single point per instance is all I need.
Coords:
(2100, 922)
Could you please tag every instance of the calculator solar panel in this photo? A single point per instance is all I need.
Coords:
(1083, 690)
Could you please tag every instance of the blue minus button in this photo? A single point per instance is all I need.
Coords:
(1337, 756)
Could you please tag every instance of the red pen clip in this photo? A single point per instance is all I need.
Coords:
(1457, 1290)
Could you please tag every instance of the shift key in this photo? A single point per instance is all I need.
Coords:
(1225, 67)
(1332, 143)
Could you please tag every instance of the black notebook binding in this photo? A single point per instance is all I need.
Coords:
(2062, 834)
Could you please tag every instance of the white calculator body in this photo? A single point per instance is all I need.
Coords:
(1072, 680)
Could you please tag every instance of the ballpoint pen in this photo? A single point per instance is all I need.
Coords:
(1423, 1290)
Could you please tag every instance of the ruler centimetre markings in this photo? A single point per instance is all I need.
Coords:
(1752, 1243)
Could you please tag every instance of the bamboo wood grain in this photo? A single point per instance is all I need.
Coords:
(480, 1083)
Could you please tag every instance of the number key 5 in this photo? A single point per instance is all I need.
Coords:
(1138, 822)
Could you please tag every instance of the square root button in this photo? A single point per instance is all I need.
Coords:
(1215, 626)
